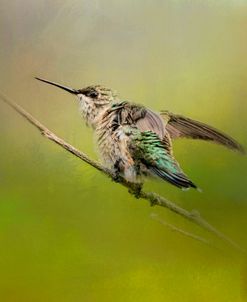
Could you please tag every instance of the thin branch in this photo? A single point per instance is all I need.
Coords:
(153, 198)
(173, 228)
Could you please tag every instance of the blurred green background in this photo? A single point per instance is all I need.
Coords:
(67, 233)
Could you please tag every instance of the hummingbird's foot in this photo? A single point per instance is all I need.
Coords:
(135, 189)
(117, 177)
(116, 169)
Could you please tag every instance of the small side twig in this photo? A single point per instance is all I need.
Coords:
(153, 198)
(173, 228)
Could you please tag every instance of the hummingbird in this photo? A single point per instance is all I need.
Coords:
(135, 141)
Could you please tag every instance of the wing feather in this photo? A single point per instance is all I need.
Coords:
(179, 126)
(151, 121)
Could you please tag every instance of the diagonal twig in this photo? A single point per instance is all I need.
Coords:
(173, 228)
(153, 198)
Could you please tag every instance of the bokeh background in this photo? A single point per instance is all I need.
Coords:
(67, 233)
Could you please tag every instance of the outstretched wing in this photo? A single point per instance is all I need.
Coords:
(150, 150)
(179, 126)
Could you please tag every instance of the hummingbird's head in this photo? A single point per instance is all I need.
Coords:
(97, 94)
(93, 99)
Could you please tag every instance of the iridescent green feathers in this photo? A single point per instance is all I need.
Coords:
(147, 148)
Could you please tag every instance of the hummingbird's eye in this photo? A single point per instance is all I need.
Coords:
(91, 93)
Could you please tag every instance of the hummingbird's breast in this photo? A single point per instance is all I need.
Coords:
(112, 140)
(88, 110)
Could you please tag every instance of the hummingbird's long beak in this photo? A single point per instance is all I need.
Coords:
(70, 90)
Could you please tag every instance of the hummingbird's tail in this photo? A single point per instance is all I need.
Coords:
(179, 179)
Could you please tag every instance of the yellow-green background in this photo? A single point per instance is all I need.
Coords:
(67, 233)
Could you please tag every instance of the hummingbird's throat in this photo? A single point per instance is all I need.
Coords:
(90, 109)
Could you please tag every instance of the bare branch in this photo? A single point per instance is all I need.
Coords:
(153, 198)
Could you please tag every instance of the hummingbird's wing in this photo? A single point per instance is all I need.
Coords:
(155, 154)
(143, 118)
(151, 121)
(179, 126)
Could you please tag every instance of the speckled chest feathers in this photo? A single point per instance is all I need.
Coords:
(115, 130)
